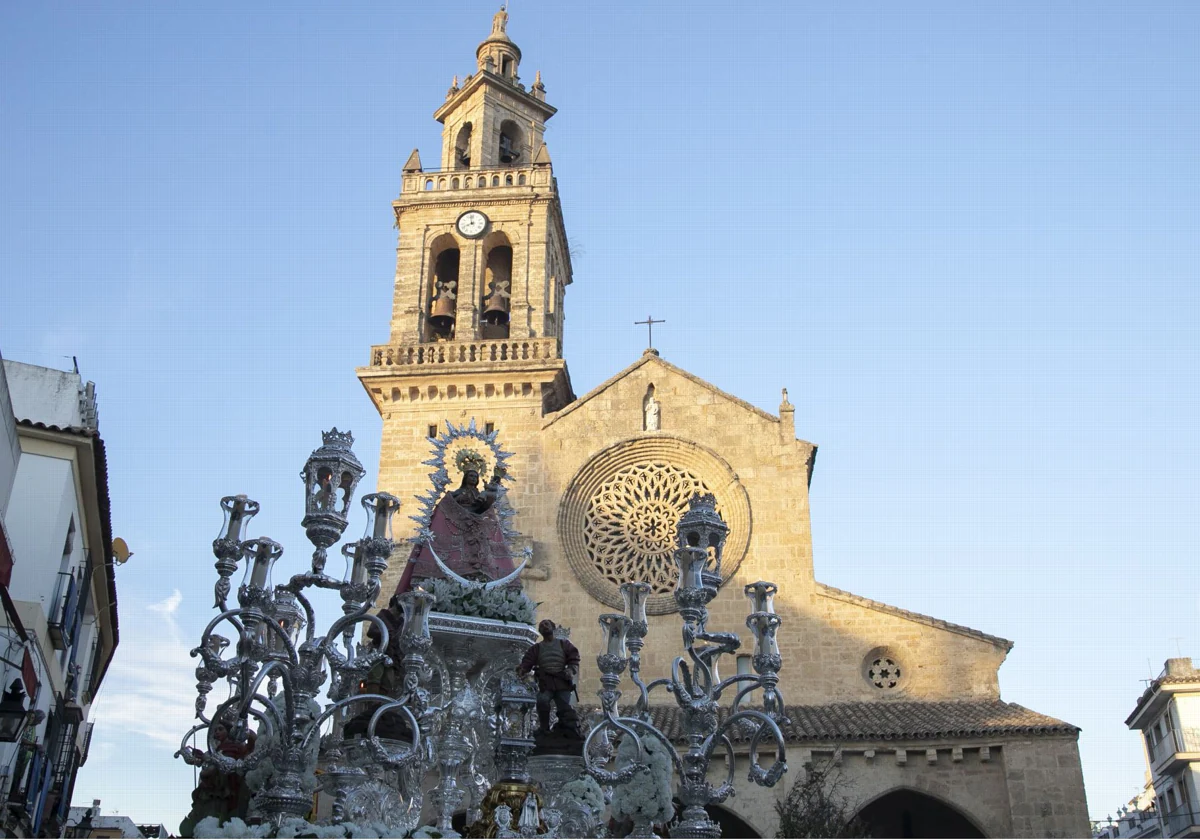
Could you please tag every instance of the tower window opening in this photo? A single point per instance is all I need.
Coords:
(488, 428)
(508, 182)
(454, 184)
(482, 181)
(521, 180)
(443, 306)
(432, 430)
(495, 180)
(429, 184)
(510, 142)
(462, 148)
(497, 291)
(506, 66)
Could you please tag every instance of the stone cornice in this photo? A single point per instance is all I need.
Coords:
(476, 198)
(483, 77)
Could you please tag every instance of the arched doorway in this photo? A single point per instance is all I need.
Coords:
(731, 824)
(910, 813)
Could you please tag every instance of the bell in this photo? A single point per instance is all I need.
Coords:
(495, 308)
(442, 312)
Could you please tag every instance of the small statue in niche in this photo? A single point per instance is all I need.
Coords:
(652, 412)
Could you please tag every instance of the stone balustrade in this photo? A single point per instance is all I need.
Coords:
(477, 179)
(448, 353)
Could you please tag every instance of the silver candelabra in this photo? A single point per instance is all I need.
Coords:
(696, 688)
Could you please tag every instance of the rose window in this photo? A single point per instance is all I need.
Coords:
(629, 528)
(884, 673)
(618, 516)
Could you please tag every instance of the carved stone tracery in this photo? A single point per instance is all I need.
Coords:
(617, 519)
(631, 520)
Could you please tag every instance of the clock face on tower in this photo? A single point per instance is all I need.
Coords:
(472, 224)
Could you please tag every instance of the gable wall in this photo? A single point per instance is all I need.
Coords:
(773, 473)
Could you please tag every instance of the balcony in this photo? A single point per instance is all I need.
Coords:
(1176, 749)
(62, 622)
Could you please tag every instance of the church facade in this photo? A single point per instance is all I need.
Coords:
(906, 706)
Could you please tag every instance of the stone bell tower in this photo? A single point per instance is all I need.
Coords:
(482, 266)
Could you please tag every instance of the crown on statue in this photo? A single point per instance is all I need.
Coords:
(335, 438)
(703, 500)
(469, 459)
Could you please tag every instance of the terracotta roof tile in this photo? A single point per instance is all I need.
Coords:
(894, 721)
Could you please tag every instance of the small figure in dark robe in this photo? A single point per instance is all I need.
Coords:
(555, 663)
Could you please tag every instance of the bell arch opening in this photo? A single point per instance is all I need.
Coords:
(511, 143)
(443, 289)
(910, 813)
(462, 147)
(497, 288)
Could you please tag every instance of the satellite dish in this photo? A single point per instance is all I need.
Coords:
(121, 551)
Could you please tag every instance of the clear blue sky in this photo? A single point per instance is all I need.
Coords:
(962, 235)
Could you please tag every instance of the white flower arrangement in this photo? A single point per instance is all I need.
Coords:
(647, 797)
(501, 603)
(586, 791)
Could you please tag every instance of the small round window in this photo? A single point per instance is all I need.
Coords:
(884, 670)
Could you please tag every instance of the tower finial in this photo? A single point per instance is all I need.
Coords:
(500, 20)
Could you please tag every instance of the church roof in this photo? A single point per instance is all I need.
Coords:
(648, 357)
(894, 721)
(843, 595)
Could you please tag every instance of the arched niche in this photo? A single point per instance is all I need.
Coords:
(497, 286)
(512, 144)
(444, 265)
(907, 812)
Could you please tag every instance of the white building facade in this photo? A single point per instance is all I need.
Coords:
(1168, 716)
(60, 640)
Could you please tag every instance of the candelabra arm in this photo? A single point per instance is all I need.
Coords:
(681, 680)
(225, 764)
(315, 727)
(776, 694)
(726, 789)
(608, 777)
(302, 581)
(270, 705)
(736, 678)
(643, 703)
(210, 659)
(361, 614)
(285, 674)
(381, 752)
(764, 778)
(310, 616)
